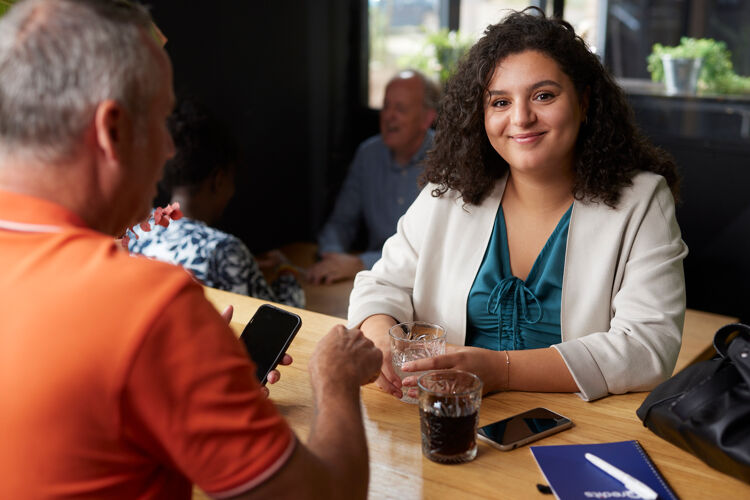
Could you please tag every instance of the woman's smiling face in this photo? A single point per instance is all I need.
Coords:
(532, 113)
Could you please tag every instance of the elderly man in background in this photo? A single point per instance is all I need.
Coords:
(382, 181)
(118, 378)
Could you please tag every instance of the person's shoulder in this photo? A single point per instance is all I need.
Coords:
(107, 261)
(201, 235)
(211, 233)
(376, 139)
(453, 197)
(433, 199)
(647, 180)
(226, 244)
(176, 230)
(431, 189)
(644, 186)
(109, 279)
(646, 189)
(371, 153)
(129, 269)
(371, 144)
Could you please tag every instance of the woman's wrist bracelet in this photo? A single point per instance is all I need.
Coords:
(507, 371)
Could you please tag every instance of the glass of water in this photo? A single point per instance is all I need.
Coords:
(411, 341)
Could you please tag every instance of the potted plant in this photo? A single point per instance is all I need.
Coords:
(5, 5)
(440, 53)
(696, 64)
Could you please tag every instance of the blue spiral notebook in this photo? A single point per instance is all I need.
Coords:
(572, 477)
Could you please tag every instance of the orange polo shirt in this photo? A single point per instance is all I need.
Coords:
(117, 378)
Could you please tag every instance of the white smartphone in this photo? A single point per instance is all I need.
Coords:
(523, 428)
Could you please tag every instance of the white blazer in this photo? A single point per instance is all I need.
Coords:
(623, 295)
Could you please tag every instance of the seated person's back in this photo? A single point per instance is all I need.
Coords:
(119, 379)
(201, 178)
(141, 313)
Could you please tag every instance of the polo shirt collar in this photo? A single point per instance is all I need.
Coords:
(24, 211)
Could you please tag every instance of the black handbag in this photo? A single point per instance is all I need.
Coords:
(705, 408)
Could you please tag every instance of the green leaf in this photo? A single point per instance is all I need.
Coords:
(5, 5)
(440, 54)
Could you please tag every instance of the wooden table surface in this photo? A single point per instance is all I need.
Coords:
(398, 470)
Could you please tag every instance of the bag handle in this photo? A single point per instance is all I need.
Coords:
(732, 342)
(726, 334)
(739, 352)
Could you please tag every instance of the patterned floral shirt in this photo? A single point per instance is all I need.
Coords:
(217, 259)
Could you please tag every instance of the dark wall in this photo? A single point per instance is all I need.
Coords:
(284, 77)
(708, 138)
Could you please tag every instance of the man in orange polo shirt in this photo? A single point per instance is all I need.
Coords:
(117, 378)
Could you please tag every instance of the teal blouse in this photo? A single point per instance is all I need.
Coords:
(506, 313)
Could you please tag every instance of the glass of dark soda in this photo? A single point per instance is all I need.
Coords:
(449, 403)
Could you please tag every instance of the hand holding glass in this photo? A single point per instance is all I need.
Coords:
(411, 341)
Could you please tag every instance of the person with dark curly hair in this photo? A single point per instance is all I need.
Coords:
(200, 177)
(545, 240)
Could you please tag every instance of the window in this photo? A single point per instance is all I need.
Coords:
(401, 32)
(621, 32)
(398, 32)
(476, 15)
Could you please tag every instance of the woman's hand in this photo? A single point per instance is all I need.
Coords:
(488, 365)
(535, 370)
(376, 329)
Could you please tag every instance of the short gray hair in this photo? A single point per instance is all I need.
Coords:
(58, 60)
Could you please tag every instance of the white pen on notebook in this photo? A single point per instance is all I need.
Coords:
(629, 481)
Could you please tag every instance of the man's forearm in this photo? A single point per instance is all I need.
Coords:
(334, 462)
(338, 439)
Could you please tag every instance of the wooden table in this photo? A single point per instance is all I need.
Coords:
(398, 470)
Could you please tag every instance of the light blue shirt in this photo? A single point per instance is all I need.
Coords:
(507, 313)
(377, 191)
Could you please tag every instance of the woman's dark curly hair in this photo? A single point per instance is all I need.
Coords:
(609, 149)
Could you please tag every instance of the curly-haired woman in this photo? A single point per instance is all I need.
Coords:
(546, 241)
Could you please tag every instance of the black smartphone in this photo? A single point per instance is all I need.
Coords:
(267, 336)
(523, 428)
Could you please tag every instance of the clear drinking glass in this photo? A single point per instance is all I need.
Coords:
(449, 402)
(414, 340)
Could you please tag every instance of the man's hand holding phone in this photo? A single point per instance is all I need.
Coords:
(274, 375)
(343, 359)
